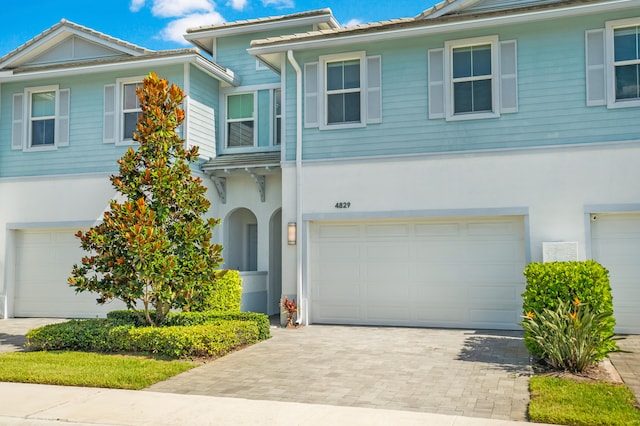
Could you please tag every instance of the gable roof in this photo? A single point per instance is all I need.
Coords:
(204, 36)
(62, 31)
(460, 7)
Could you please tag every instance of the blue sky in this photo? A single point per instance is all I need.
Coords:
(159, 24)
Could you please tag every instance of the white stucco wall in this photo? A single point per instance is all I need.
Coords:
(553, 187)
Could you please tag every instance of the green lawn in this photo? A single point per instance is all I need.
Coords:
(87, 369)
(567, 402)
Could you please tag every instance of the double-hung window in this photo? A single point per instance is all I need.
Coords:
(40, 118)
(277, 116)
(626, 62)
(473, 79)
(131, 110)
(121, 110)
(613, 64)
(240, 119)
(343, 91)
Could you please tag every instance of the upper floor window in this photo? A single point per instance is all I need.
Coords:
(626, 62)
(240, 120)
(121, 110)
(613, 64)
(473, 79)
(40, 118)
(343, 91)
(277, 116)
(131, 110)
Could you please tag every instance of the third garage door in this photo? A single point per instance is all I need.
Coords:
(460, 273)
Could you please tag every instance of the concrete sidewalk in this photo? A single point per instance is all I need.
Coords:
(40, 405)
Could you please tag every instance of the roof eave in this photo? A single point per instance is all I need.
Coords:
(222, 74)
(260, 47)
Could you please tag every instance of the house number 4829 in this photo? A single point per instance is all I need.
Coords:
(343, 205)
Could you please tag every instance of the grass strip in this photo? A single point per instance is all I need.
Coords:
(569, 402)
(69, 368)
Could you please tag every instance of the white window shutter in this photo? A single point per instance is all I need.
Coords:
(508, 77)
(374, 89)
(311, 94)
(62, 123)
(17, 122)
(109, 121)
(595, 67)
(436, 83)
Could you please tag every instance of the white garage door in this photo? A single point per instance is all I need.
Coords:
(44, 259)
(615, 240)
(460, 273)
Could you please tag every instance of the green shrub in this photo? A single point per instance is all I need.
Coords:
(82, 335)
(223, 294)
(197, 318)
(192, 334)
(571, 336)
(550, 283)
(187, 341)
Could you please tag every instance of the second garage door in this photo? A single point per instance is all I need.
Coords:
(460, 273)
(44, 258)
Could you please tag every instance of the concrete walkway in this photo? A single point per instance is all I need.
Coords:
(456, 372)
(43, 405)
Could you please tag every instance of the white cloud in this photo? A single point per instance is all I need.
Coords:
(237, 4)
(136, 5)
(279, 4)
(353, 22)
(177, 8)
(176, 29)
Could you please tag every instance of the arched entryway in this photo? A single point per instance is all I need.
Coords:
(241, 241)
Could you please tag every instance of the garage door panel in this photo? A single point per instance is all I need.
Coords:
(437, 229)
(387, 231)
(615, 240)
(427, 272)
(340, 252)
(489, 318)
(379, 251)
(340, 232)
(44, 259)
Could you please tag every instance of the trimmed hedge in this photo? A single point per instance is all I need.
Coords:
(549, 284)
(186, 341)
(187, 334)
(224, 294)
(197, 318)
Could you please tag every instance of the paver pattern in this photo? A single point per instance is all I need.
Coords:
(628, 363)
(460, 372)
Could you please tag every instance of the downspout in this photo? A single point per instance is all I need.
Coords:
(302, 314)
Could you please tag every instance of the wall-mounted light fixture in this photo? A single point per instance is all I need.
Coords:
(291, 233)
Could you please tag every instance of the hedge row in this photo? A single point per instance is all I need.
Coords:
(198, 334)
(196, 318)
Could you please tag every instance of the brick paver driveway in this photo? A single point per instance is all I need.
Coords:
(463, 372)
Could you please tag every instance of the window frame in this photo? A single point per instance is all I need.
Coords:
(449, 103)
(323, 62)
(27, 111)
(254, 94)
(121, 111)
(276, 117)
(610, 63)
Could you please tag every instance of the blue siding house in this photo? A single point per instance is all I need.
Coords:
(392, 173)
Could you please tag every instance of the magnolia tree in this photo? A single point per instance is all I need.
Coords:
(154, 248)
